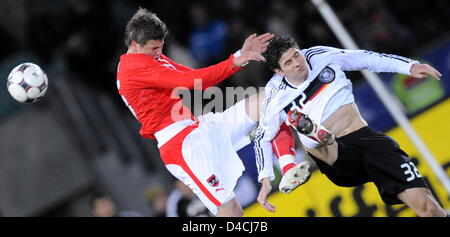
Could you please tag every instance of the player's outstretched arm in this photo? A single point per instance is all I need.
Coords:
(422, 70)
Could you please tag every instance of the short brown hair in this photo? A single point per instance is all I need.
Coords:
(144, 26)
(277, 47)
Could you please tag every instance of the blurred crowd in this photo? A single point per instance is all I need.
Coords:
(88, 34)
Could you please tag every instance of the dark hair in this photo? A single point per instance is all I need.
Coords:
(144, 26)
(277, 46)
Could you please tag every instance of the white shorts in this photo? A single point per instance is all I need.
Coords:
(203, 155)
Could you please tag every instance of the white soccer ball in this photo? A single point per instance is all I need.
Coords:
(27, 83)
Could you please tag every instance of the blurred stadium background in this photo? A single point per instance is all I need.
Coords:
(80, 142)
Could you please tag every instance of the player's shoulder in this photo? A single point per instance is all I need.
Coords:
(275, 80)
(319, 54)
(137, 60)
(275, 84)
(317, 51)
(131, 63)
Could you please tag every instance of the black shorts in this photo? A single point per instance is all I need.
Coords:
(367, 155)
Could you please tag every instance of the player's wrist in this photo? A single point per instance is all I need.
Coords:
(265, 181)
(236, 55)
(409, 68)
(266, 177)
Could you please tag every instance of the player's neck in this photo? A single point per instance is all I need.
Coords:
(132, 50)
(295, 81)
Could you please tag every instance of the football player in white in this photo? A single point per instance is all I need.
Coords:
(311, 93)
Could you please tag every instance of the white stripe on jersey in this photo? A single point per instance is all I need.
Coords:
(260, 131)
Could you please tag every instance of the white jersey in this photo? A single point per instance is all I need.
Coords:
(324, 91)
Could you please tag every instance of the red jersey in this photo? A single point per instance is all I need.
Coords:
(146, 84)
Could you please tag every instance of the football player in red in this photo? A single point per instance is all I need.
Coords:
(198, 151)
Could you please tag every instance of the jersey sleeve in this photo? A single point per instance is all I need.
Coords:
(169, 77)
(178, 66)
(267, 130)
(355, 60)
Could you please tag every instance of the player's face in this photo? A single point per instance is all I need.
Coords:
(152, 47)
(293, 65)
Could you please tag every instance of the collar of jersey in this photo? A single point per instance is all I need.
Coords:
(288, 83)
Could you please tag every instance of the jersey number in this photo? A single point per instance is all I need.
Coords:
(411, 171)
(297, 104)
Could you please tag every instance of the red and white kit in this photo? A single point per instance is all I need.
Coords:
(198, 151)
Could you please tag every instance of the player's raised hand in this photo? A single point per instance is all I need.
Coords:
(262, 196)
(257, 43)
(422, 70)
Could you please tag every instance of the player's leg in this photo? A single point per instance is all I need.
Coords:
(294, 174)
(209, 197)
(395, 174)
(231, 208)
(206, 162)
(283, 146)
(315, 138)
(237, 121)
(253, 105)
(240, 119)
(304, 125)
(423, 203)
(327, 154)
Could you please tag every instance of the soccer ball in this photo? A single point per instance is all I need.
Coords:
(27, 83)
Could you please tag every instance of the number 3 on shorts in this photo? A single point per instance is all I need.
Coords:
(411, 171)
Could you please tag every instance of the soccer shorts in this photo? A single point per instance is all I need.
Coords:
(367, 155)
(203, 155)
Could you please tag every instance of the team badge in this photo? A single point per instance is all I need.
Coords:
(213, 181)
(327, 75)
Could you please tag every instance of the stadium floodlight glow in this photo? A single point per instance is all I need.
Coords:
(375, 82)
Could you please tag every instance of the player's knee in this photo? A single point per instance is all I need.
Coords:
(430, 209)
(428, 206)
(230, 209)
(422, 202)
(237, 212)
(234, 211)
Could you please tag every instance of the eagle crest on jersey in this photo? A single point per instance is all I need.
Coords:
(327, 75)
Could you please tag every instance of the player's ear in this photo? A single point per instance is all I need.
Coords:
(134, 44)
